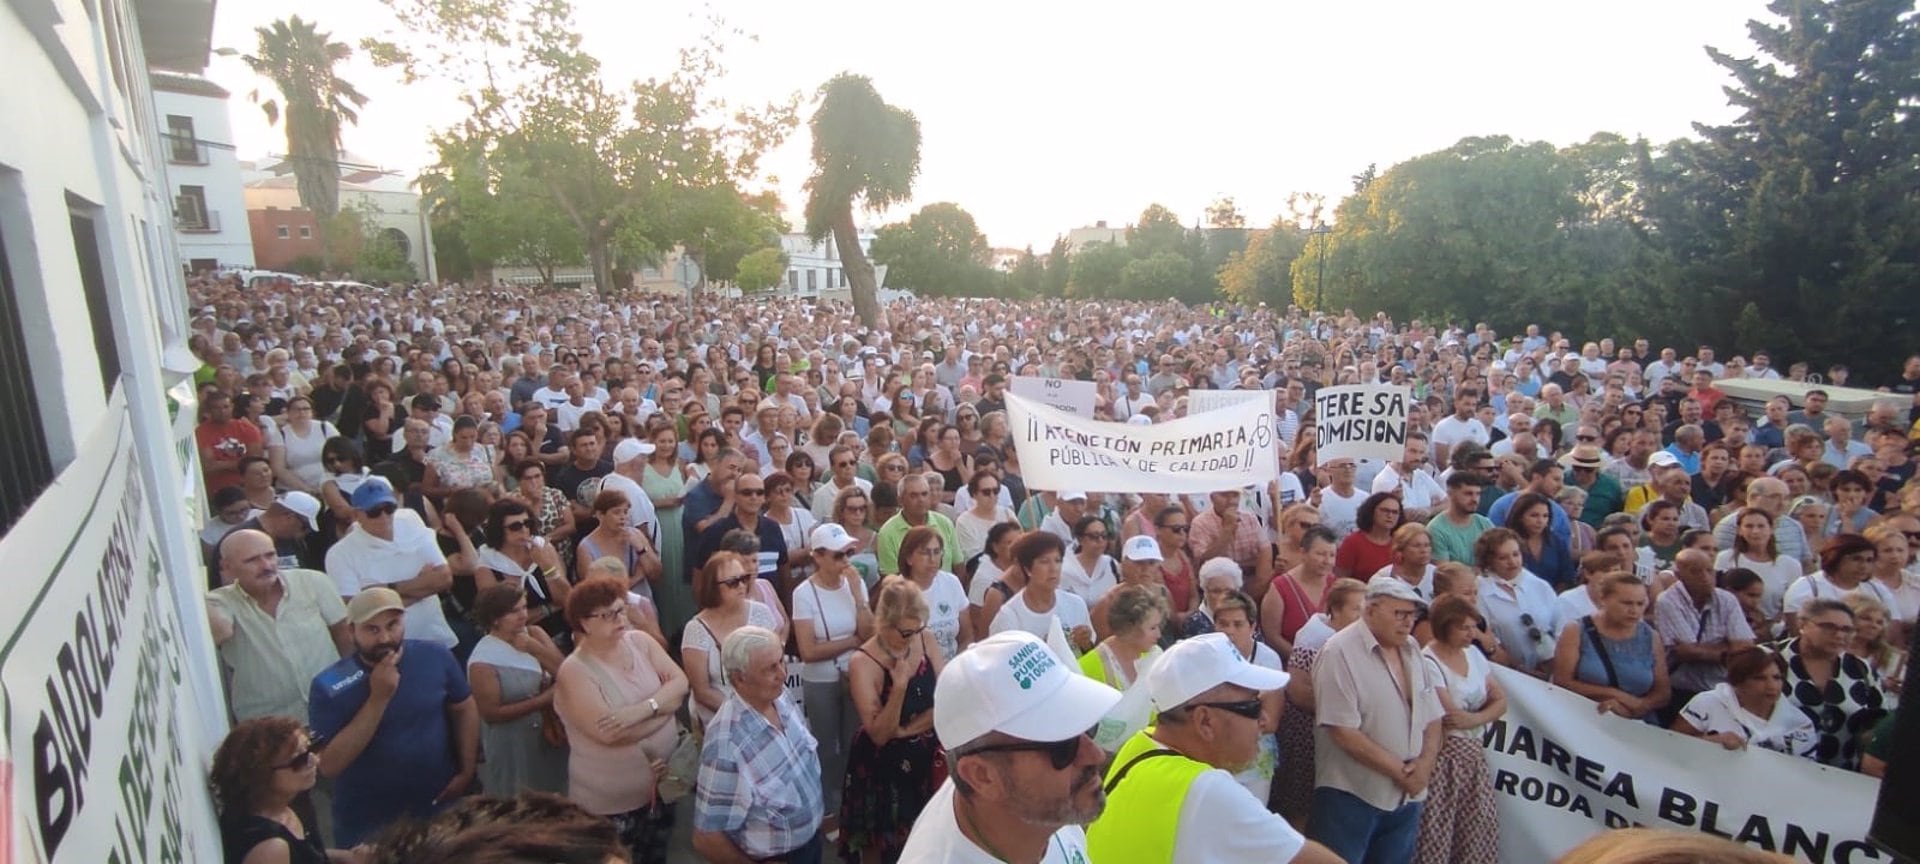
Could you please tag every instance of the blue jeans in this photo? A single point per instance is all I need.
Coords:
(1360, 833)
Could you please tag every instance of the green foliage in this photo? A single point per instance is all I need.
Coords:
(1059, 269)
(314, 104)
(1156, 277)
(1156, 231)
(760, 269)
(938, 252)
(1263, 272)
(1028, 278)
(1096, 270)
(866, 153)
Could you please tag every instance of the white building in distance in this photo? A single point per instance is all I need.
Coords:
(386, 197)
(203, 174)
(815, 269)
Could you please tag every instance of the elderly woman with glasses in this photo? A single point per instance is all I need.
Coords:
(617, 694)
(1835, 689)
(895, 763)
(724, 590)
(1847, 563)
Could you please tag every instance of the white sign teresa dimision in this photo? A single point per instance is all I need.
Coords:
(1361, 421)
(1066, 394)
(1227, 448)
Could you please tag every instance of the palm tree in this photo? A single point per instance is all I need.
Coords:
(316, 102)
(866, 149)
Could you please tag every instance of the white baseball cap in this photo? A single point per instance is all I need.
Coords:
(1662, 459)
(1198, 664)
(831, 537)
(1012, 683)
(306, 506)
(1075, 495)
(631, 449)
(1139, 420)
(1142, 548)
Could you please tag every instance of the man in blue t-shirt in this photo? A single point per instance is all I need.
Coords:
(399, 732)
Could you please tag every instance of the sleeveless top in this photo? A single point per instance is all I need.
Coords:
(1299, 606)
(591, 551)
(1179, 584)
(240, 833)
(1632, 659)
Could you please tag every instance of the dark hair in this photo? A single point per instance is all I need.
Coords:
(535, 826)
(249, 461)
(1160, 518)
(1461, 478)
(496, 602)
(1451, 609)
(340, 447)
(706, 580)
(1541, 467)
(1737, 579)
(1364, 518)
(227, 496)
(243, 765)
(1490, 542)
(520, 468)
(1033, 545)
(1317, 533)
(1081, 525)
(464, 422)
(1839, 546)
(917, 539)
(1750, 662)
(1655, 508)
(1850, 477)
(1600, 538)
(778, 478)
(470, 507)
(497, 516)
(1527, 501)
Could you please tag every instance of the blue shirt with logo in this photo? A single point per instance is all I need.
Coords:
(410, 757)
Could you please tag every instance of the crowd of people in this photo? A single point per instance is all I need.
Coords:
(752, 568)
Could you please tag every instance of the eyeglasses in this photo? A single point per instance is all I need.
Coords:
(933, 552)
(1095, 535)
(517, 525)
(1177, 529)
(1586, 437)
(860, 509)
(382, 511)
(837, 555)
(741, 579)
(1060, 753)
(751, 493)
(612, 614)
(843, 463)
(1249, 708)
(987, 490)
(300, 760)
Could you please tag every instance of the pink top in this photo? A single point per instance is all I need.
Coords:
(611, 780)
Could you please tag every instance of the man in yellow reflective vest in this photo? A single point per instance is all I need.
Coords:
(1171, 793)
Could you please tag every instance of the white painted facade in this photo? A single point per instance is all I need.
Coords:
(203, 173)
(387, 195)
(815, 269)
(95, 299)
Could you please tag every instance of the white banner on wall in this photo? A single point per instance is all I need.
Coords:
(1202, 401)
(1066, 394)
(1228, 448)
(1562, 773)
(1361, 421)
(101, 762)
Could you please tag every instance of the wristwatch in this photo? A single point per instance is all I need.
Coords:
(653, 707)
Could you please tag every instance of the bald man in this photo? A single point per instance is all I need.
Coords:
(1700, 625)
(275, 628)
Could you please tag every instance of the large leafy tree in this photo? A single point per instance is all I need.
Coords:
(314, 104)
(1263, 272)
(938, 251)
(866, 154)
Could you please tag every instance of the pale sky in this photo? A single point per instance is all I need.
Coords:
(1039, 117)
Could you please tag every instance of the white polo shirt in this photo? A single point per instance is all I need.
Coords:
(936, 838)
(361, 561)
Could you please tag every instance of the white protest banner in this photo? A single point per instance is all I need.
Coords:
(1202, 401)
(1563, 772)
(104, 762)
(1361, 421)
(1069, 395)
(1230, 448)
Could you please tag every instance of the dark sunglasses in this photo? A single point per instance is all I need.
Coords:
(1177, 529)
(737, 580)
(382, 511)
(516, 525)
(1249, 708)
(300, 760)
(750, 493)
(1060, 753)
(987, 490)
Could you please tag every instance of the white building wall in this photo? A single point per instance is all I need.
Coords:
(814, 269)
(211, 164)
(398, 209)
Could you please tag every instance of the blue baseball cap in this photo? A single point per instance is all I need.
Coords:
(372, 493)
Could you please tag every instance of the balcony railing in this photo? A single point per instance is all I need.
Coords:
(183, 150)
(204, 222)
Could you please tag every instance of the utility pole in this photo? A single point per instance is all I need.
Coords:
(1320, 287)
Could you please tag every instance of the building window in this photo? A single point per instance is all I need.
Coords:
(190, 209)
(306, 232)
(93, 282)
(183, 147)
(282, 232)
(26, 467)
(793, 281)
(813, 280)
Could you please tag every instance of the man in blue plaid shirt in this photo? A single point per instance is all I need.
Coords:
(759, 794)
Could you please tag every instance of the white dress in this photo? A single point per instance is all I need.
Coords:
(1788, 730)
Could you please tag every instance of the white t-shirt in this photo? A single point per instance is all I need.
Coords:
(1776, 576)
(1075, 578)
(303, 454)
(1417, 492)
(985, 574)
(639, 507)
(937, 839)
(699, 636)
(1221, 822)
(946, 602)
(1575, 603)
(970, 530)
(831, 615)
(1452, 430)
(823, 496)
(567, 415)
(1788, 731)
(1258, 778)
(550, 397)
(1816, 584)
(1341, 513)
(1470, 691)
(361, 561)
(1016, 615)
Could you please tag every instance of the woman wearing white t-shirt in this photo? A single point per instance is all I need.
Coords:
(1461, 821)
(1754, 548)
(1039, 554)
(1750, 709)
(1846, 567)
(830, 621)
(949, 615)
(970, 527)
(295, 448)
(1089, 572)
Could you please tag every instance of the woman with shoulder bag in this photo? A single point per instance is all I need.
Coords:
(831, 620)
(511, 670)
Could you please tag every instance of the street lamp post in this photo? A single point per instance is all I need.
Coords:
(1320, 285)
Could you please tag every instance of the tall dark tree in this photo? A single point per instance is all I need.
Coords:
(314, 104)
(866, 153)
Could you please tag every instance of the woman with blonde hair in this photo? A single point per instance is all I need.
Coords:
(1135, 614)
(895, 763)
(1873, 624)
(1412, 558)
(1294, 522)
